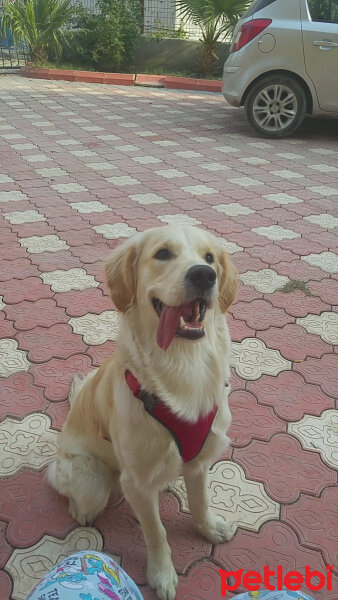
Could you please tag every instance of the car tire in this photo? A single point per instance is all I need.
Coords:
(276, 106)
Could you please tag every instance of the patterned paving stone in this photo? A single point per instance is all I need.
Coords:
(259, 314)
(77, 303)
(323, 220)
(319, 434)
(298, 270)
(12, 360)
(51, 172)
(238, 329)
(14, 292)
(5, 551)
(275, 545)
(178, 219)
(233, 209)
(321, 371)
(25, 216)
(282, 198)
(46, 243)
(6, 327)
(72, 279)
(19, 268)
(242, 502)
(57, 412)
(326, 289)
(56, 375)
(290, 396)
(42, 344)
(96, 329)
(28, 443)
(314, 521)
(12, 196)
(98, 354)
(325, 325)
(230, 247)
(31, 506)
(28, 566)
(265, 280)
(148, 198)
(252, 358)
(5, 584)
(90, 207)
(297, 303)
(19, 396)
(294, 343)
(170, 173)
(284, 468)
(327, 261)
(112, 232)
(28, 315)
(324, 190)
(201, 583)
(199, 190)
(276, 233)
(123, 181)
(271, 255)
(250, 420)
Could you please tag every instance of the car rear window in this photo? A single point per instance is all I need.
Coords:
(256, 6)
(324, 10)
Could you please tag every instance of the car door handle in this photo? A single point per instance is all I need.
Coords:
(325, 44)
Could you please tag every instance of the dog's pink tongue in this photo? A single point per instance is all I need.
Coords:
(167, 326)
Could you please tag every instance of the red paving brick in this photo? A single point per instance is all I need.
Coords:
(284, 468)
(272, 226)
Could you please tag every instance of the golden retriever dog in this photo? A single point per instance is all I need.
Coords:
(158, 407)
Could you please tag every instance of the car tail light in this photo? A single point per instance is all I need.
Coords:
(248, 31)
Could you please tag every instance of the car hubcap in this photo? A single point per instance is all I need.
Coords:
(275, 108)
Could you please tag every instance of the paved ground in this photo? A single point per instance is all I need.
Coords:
(82, 166)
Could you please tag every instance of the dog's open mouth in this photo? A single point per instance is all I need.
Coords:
(185, 321)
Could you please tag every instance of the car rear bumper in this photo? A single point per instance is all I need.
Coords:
(230, 87)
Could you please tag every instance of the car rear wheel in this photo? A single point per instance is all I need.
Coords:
(276, 106)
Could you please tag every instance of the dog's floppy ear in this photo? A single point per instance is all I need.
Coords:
(120, 276)
(228, 283)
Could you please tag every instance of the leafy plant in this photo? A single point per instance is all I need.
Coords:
(109, 39)
(216, 20)
(40, 24)
(167, 32)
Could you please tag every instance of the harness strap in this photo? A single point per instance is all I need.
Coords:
(189, 437)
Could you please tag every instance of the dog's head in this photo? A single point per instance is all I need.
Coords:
(174, 275)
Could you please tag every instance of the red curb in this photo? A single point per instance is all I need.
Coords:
(118, 78)
(155, 80)
(87, 76)
(35, 72)
(208, 85)
(56, 74)
(180, 83)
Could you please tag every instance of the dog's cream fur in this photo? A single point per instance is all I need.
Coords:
(142, 456)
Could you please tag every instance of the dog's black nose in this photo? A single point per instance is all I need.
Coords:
(201, 277)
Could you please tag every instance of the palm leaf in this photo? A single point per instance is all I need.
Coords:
(38, 23)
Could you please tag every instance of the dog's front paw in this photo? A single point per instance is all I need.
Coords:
(162, 577)
(216, 530)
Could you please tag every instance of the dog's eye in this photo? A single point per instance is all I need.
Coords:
(163, 254)
(209, 258)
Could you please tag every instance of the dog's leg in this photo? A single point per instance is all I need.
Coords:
(161, 574)
(212, 527)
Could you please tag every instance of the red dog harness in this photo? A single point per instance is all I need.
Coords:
(189, 437)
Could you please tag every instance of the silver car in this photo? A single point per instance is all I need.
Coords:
(283, 63)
